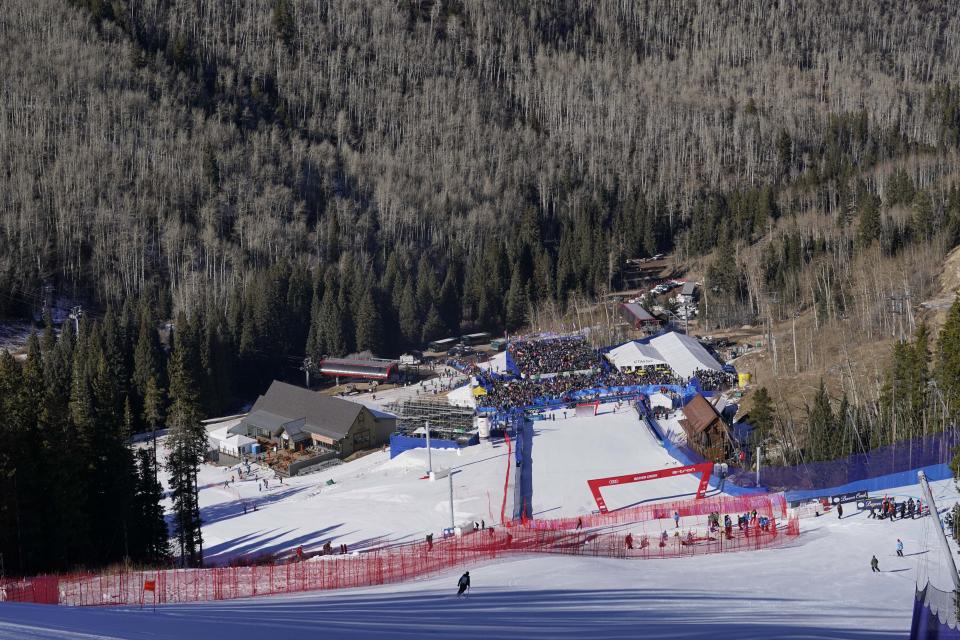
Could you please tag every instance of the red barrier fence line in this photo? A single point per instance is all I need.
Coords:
(770, 505)
(506, 480)
(377, 567)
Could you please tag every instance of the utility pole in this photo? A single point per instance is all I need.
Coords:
(307, 365)
(898, 307)
(796, 365)
(450, 480)
(771, 298)
(75, 313)
(758, 466)
(426, 426)
(928, 496)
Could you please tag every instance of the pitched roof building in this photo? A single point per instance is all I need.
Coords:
(364, 369)
(295, 418)
(638, 317)
(706, 431)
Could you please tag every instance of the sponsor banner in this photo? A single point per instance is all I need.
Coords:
(853, 496)
(870, 503)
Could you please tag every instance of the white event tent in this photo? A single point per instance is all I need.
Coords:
(682, 353)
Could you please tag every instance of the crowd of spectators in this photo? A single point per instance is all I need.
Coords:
(523, 392)
(539, 360)
(711, 380)
(642, 376)
(553, 355)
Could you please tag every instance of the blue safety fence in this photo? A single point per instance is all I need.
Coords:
(512, 367)
(935, 615)
(878, 484)
(881, 468)
(400, 443)
(611, 394)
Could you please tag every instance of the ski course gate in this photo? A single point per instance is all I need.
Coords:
(704, 469)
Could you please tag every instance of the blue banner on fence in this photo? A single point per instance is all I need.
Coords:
(400, 443)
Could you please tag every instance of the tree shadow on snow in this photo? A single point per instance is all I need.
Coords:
(227, 510)
(271, 542)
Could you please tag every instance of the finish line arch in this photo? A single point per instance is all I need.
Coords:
(704, 469)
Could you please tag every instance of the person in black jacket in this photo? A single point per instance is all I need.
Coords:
(464, 583)
(839, 510)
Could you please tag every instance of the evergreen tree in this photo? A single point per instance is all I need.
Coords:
(151, 530)
(187, 443)
(948, 359)
(333, 337)
(315, 347)
(762, 415)
(111, 478)
(147, 358)
(410, 323)
(518, 301)
(868, 226)
(448, 305)
(821, 443)
(433, 326)
(368, 324)
(153, 406)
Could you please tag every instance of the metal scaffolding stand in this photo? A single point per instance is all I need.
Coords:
(446, 421)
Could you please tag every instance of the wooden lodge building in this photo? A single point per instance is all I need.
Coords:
(707, 432)
(295, 418)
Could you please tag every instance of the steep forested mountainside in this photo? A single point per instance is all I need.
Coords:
(411, 167)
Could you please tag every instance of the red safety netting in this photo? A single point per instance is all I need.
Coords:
(506, 480)
(767, 504)
(385, 565)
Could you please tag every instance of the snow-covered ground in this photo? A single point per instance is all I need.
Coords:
(375, 500)
(820, 587)
(372, 501)
(569, 451)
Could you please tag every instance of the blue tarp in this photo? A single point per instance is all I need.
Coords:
(511, 365)
(400, 443)
(880, 468)
(880, 483)
(934, 615)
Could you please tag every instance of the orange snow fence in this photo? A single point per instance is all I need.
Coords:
(386, 565)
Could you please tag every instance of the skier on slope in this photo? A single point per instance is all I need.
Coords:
(899, 547)
(839, 511)
(676, 519)
(463, 583)
(874, 564)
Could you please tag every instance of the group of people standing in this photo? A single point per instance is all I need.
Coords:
(892, 509)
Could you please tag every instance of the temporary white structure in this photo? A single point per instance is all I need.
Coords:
(635, 354)
(496, 364)
(661, 400)
(462, 397)
(682, 353)
(220, 439)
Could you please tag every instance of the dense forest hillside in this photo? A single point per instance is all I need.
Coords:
(518, 150)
